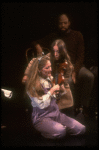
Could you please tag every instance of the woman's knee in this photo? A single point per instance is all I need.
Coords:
(86, 74)
(77, 128)
(91, 76)
(58, 132)
(62, 131)
(80, 129)
(83, 129)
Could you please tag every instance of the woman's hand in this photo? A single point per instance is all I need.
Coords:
(74, 77)
(25, 79)
(55, 88)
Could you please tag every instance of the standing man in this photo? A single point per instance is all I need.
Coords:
(81, 81)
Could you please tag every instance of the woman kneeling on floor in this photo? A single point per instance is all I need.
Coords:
(46, 116)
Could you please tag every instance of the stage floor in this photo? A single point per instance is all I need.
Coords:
(19, 131)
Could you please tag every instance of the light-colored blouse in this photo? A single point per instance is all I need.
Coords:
(45, 100)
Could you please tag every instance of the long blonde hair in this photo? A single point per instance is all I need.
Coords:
(33, 85)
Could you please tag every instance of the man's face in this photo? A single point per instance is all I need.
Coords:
(64, 23)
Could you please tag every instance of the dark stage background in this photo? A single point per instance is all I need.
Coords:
(22, 23)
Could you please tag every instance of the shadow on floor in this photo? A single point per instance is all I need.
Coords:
(19, 131)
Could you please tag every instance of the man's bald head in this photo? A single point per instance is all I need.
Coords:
(63, 22)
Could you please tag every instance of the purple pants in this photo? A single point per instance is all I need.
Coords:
(51, 123)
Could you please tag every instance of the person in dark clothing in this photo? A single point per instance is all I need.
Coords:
(81, 80)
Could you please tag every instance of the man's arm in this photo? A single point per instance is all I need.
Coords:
(79, 58)
(80, 53)
(44, 43)
(39, 49)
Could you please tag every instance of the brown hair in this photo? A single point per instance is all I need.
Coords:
(33, 85)
(63, 53)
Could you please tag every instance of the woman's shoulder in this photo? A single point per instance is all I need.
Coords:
(45, 82)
